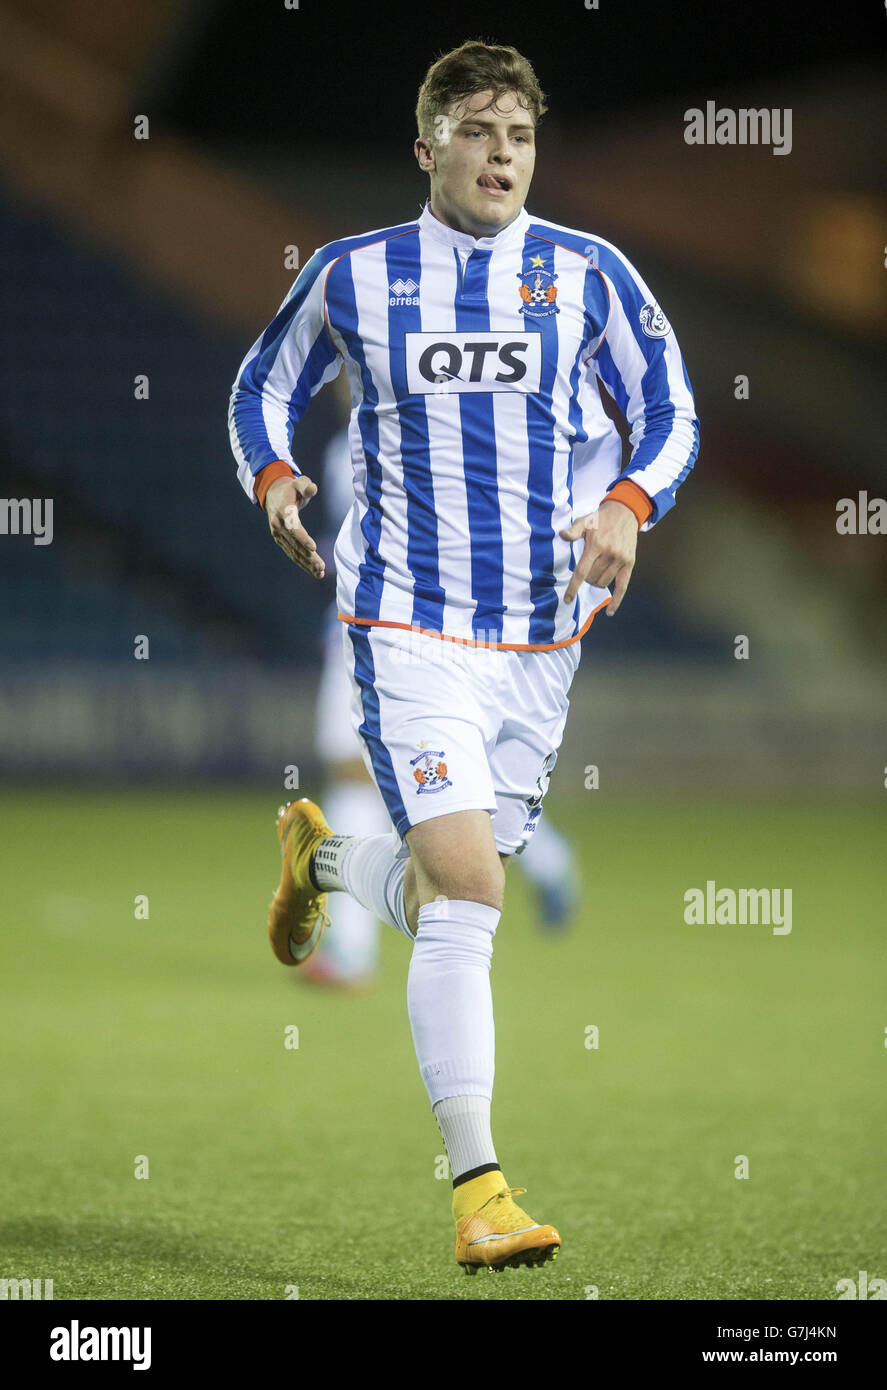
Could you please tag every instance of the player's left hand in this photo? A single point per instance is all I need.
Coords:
(611, 538)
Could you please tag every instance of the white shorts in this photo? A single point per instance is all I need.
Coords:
(447, 727)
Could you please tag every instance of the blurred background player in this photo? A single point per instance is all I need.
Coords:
(348, 956)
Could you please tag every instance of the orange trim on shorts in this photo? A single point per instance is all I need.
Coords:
(468, 642)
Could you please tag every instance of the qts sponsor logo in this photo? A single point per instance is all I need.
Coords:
(444, 363)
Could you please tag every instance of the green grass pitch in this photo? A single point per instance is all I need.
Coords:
(313, 1169)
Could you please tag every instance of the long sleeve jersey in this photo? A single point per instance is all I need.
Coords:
(471, 363)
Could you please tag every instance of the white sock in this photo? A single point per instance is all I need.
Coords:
(365, 866)
(351, 945)
(465, 1125)
(449, 999)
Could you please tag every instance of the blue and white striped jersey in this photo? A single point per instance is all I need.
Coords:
(471, 365)
(595, 463)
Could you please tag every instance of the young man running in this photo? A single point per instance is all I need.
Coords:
(472, 337)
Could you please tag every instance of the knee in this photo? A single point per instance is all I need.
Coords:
(478, 883)
(473, 882)
(455, 857)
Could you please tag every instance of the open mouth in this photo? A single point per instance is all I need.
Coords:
(495, 183)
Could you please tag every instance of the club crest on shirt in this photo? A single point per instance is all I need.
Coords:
(653, 321)
(538, 290)
(430, 771)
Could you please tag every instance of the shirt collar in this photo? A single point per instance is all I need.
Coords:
(448, 236)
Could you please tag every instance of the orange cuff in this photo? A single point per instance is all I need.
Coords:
(632, 497)
(268, 475)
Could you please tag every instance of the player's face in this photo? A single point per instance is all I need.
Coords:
(481, 163)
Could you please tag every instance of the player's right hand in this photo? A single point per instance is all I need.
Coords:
(283, 502)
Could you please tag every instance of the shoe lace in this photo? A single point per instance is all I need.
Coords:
(504, 1195)
(502, 1212)
(322, 912)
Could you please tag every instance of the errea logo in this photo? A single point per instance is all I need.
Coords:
(403, 292)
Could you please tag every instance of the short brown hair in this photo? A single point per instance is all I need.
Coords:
(477, 67)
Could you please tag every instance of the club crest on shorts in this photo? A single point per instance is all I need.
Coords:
(538, 290)
(430, 771)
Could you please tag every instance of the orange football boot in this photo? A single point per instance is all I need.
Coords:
(499, 1235)
(297, 915)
